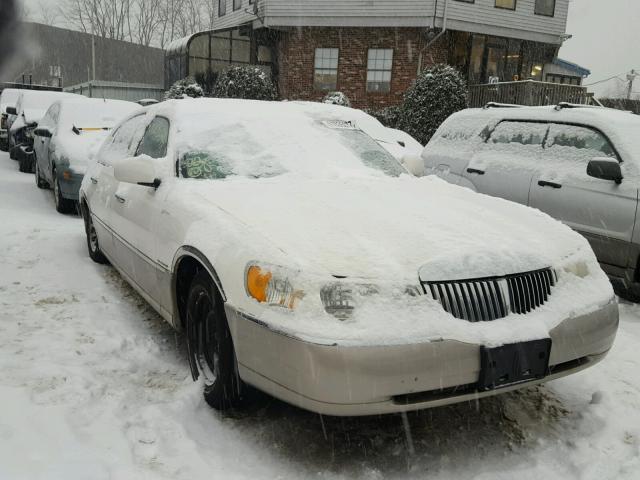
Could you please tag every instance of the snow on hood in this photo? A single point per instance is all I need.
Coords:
(393, 228)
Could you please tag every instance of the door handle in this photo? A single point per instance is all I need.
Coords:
(476, 171)
(544, 183)
(119, 198)
(94, 180)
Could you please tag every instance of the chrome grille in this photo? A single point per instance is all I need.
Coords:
(487, 299)
(528, 291)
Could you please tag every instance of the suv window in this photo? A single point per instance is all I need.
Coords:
(155, 140)
(120, 143)
(523, 133)
(577, 142)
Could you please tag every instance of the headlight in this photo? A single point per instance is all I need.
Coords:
(271, 285)
(339, 299)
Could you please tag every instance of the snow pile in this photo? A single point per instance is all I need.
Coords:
(247, 82)
(337, 98)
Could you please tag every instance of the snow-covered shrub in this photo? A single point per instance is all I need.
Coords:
(337, 98)
(245, 82)
(389, 116)
(186, 87)
(438, 92)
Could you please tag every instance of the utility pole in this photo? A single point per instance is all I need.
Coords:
(631, 77)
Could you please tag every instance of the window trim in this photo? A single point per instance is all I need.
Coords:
(222, 11)
(552, 15)
(137, 154)
(315, 69)
(393, 55)
(237, 5)
(515, 6)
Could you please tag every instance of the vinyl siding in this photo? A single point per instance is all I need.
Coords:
(483, 13)
(239, 17)
(479, 17)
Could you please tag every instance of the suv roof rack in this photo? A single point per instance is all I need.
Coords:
(500, 105)
(563, 105)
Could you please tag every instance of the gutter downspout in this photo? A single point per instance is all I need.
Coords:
(442, 32)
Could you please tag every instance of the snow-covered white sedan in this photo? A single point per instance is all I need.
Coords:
(300, 258)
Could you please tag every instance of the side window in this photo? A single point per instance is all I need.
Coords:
(519, 133)
(579, 143)
(155, 140)
(120, 143)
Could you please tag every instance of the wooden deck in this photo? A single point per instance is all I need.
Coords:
(528, 92)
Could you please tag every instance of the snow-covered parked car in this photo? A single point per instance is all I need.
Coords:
(581, 165)
(70, 131)
(299, 258)
(30, 108)
(8, 99)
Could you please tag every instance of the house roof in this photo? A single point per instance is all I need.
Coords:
(574, 67)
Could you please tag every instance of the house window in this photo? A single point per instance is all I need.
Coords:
(222, 8)
(379, 68)
(237, 5)
(508, 4)
(326, 69)
(546, 7)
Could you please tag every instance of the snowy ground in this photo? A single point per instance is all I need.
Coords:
(93, 385)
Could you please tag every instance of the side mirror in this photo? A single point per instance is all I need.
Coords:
(12, 111)
(605, 169)
(137, 170)
(414, 164)
(43, 132)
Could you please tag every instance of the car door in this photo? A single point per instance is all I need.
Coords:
(119, 145)
(135, 211)
(505, 165)
(603, 211)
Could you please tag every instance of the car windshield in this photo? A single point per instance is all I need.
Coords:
(315, 148)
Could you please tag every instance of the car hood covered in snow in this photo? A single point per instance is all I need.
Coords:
(393, 228)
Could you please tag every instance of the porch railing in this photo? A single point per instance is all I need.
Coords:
(528, 92)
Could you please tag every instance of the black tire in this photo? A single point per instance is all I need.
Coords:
(25, 162)
(92, 238)
(210, 346)
(40, 182)
(63, 205)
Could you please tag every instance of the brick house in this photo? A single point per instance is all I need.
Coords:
(372, 50)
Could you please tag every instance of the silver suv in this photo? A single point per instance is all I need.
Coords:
(580, 165)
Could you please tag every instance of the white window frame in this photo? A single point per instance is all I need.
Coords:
(379, 69)
(326, 62)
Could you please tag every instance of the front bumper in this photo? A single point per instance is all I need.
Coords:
(369, 380)
(70, 184)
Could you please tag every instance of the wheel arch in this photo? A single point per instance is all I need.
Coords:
(188, 261)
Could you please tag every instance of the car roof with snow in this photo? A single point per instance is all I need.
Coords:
(235, 108)
(94, 112)
(621, 127)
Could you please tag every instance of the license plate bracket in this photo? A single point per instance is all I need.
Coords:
(514, 363)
